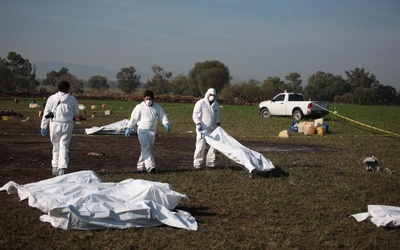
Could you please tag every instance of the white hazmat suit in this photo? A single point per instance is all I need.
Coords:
(206, 116)
(146, 119)
(64, 107)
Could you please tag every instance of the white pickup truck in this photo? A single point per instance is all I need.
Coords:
(293, 104)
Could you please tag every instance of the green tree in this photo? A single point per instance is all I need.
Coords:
(317, 84)
(23, 73)
(242, 93)
(251, 91)
(384, 95)
(338, 87)
(345, 98)
(272, 86)
(6, 79)
(53, 76)
(76, 84)
(398, 98)
(325, 86)
(183, 86)
(360, 82)
(209, 74)
(160, 82)
(232, 94)
(358, 78)
(128, 80)
(293, 83)
(98, 83)
(363, 96)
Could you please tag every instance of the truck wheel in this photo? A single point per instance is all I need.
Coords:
(297, 115)
(265, 113)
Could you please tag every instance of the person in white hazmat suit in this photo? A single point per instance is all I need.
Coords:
(145, 116)
(58, 115)
(206, 116)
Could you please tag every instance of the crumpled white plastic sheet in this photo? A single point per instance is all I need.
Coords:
(235, 151)
(81, 200)
(380, 215)
(116, 128)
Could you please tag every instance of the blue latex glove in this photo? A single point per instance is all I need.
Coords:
(43, 131)
(199, 128)
(166, 126)
(127, 132)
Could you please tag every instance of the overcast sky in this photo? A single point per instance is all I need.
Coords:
(255, 39)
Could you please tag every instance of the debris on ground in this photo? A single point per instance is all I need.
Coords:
(96, 154)
(10, 113)
(283, 134)
(389, 171)
(25, 120)
(371, 164)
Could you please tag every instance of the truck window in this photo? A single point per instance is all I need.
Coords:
(279, 98)
(296, 97)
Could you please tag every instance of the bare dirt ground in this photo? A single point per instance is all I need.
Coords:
(25, 155)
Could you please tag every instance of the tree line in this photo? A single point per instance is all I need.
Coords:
(18, 76)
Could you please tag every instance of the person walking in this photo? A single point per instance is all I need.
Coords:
(206, 116)
(58, 115)
(145, 116)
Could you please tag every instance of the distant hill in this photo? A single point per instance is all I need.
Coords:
(80, 71)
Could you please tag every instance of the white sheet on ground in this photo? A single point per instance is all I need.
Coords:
(235, 151)
(380, 215)
(115, 128)
(81, 200)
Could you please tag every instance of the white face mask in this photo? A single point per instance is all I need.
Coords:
(148, 102)
(211, 98)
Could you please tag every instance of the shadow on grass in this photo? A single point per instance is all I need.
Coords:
(274, 173)
(198, 211)
(115, 170)
(277, 172)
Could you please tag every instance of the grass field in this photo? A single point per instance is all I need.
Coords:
(241, 121)
(304, 205)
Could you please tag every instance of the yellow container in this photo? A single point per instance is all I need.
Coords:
(320, 130)
(309, 128)
(4, 118)
(284, 134)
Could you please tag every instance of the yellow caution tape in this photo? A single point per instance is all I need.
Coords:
(360, 123)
